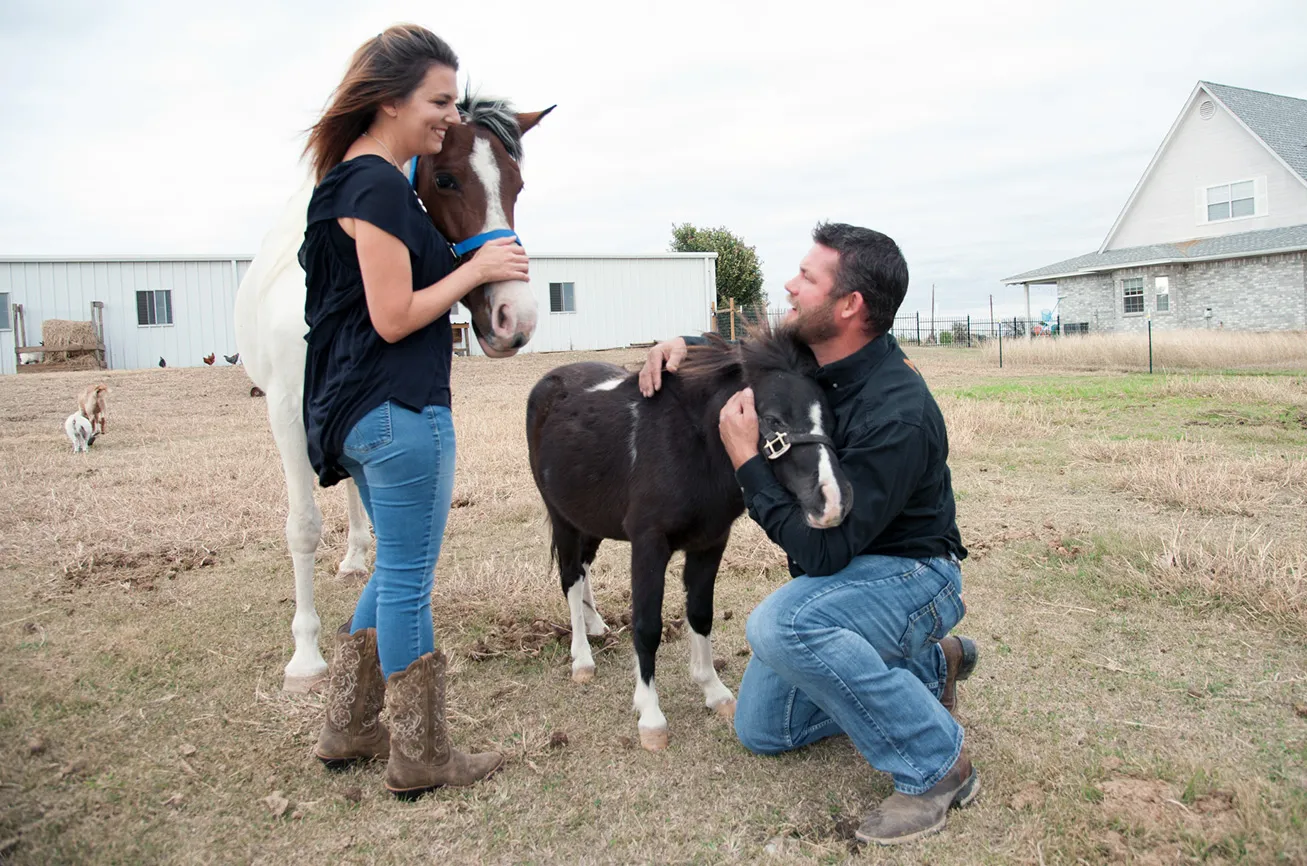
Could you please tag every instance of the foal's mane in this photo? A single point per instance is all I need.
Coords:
(763, 350)
(496, 116)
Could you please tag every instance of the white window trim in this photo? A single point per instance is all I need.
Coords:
(1259, 200)
(1157, 294)
(8, 312)
(571, 312)
(171, 309)
(1141, 297)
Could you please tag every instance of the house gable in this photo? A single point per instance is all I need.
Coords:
(1209, 146)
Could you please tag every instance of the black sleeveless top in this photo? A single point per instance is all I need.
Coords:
(350, 370)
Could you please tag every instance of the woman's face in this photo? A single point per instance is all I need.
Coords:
(429, 111)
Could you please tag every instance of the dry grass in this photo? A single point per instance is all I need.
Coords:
(1172, 350)
(1135, 702)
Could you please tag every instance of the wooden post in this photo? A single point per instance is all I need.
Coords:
(20, 334)
(97, 323)
(732, 308)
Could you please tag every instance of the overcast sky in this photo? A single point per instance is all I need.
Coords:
(986, 138)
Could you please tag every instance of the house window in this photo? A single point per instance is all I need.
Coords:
(1162, 291)
(1230, 201)
(562, 297)
(1133, 292)
(6, 324)
(154, 307)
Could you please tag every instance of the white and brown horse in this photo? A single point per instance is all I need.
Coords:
(469, 189)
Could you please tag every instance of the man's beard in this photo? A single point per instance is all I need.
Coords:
(816, 325)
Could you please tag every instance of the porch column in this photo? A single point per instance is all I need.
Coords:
(1029, 330)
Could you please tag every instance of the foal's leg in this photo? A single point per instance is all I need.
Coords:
(649, 556)
(360, 536)
(700, 578)
(575, 551)
(303, 531)
(594, 623)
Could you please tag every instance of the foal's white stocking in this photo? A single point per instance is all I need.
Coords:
(652, 724)
(583, 664)
(715, 695)
(594, 623)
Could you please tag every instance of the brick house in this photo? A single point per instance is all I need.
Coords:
(1214, 234)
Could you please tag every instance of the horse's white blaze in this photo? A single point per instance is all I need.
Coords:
(607, 386)
(704, 674)
(512, 304)
(830, 488)
(487, 171)
(581, 658)
(635, 423)
(646, 704)
(594, 623)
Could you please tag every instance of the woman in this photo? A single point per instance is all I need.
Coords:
(381, 281)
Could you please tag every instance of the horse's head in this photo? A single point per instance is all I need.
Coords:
(795, 424)
(470, 188)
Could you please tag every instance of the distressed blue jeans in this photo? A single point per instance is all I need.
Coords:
(403, 464)
(857, 653)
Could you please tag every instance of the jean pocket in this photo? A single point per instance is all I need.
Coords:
(933, 622)
(372, 431)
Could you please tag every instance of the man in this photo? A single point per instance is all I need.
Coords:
(857, 641)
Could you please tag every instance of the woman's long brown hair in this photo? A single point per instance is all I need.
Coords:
(386, 68)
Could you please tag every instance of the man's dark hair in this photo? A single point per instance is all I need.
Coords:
(871, 265)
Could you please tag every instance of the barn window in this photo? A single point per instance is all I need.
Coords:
(1162, 290)
(6, 324)
(154, 307)
(562, 297)
(1133, 292)
(1230, 201)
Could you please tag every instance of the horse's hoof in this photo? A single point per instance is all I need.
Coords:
(302, 685)
(653, 739)
(583, 675)
(726, 709)
(353, 575)
(596, 630)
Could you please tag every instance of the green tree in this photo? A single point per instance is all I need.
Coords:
(739, 270)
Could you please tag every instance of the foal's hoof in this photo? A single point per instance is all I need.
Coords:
(653, 739)
(726, 709)
(303, 685)
(583, 675)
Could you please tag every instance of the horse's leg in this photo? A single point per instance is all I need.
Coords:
(649, 556)
(700, 578)
(303, 532)
(569, 547)
(594, 623)
(360, 536)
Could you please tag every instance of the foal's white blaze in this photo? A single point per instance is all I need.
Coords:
(583, 664)
(606, 386)
(830, 488)
(715, 695)
(652, 723)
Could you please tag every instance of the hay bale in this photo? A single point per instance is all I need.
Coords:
(65, 332)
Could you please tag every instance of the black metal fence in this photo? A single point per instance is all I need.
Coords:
(921, 329)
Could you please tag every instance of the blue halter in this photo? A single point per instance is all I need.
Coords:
(475, 242)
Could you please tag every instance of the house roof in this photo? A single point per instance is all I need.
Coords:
(1279, 121)
(1258, 243)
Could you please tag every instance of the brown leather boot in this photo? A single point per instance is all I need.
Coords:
(355, 692)
(903, 818)
(423, 757)
(961, 654)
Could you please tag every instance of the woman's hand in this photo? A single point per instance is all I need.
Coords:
(500, 261)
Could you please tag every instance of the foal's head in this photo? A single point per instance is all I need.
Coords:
(470, 188)
(794, 420)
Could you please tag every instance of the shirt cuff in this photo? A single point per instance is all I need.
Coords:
(755, 476)
(692, 340)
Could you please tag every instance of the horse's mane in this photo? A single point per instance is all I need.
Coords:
(763, 350)
(496, 116)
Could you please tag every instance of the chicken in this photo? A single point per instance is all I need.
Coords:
(209, 358)
(162, 362)
(232, 359)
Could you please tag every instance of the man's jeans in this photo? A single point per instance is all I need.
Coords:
(857, 652)
(403, 464)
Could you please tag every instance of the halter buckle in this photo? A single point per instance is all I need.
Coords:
(777, 445)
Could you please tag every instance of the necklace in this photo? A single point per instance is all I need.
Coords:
(393, 161)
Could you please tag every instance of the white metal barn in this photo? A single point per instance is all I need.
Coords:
(181, 308)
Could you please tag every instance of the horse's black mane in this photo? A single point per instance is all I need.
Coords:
(496, 116)
(763, 350)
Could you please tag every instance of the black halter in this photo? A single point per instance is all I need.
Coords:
(776, 443)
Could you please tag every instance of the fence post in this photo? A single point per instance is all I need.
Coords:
(732, 319)
(1150, 345)
(918, 327)
(1000, 348)
(968, 332)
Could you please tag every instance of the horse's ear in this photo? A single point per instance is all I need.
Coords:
(531, 118)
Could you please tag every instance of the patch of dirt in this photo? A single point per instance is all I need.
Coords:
(516, 639)
(140, 569)
(1155, 806)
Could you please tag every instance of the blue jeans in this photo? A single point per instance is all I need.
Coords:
(857, 652)
(403, 464)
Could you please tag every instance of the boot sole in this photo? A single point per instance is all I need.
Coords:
(963, 798)
(970, 658)
(340, 764)
(410, 794)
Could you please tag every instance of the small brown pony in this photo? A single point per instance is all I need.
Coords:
(91, 404)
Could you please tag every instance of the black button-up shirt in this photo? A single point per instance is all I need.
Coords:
(892, 445)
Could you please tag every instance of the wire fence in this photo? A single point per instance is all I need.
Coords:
(919, 329)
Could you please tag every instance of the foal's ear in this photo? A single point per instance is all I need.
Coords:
(531, 118)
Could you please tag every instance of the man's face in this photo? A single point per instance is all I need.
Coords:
(810, 294)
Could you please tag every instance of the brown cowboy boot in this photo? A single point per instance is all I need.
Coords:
(961, 654)
(903, 818)
(423, 757)
(355, 692)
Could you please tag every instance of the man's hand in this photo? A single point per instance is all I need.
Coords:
(738, 424)
(669, 353)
